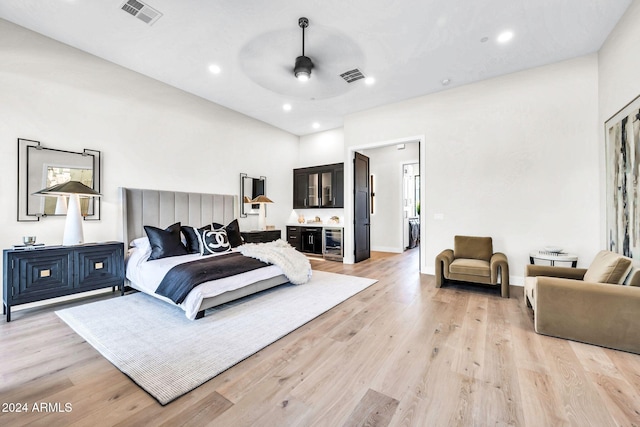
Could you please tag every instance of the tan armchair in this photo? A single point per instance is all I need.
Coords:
(472, 260)
(587, 305)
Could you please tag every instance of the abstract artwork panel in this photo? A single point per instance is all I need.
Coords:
(622, 137)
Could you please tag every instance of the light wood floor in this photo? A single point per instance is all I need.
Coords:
(400, 353)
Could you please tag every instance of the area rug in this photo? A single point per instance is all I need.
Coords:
(168, 355)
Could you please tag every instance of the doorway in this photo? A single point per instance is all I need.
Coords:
(411, 204)
(392, 193)
(379, 200)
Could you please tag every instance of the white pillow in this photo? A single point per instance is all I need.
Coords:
(140, 242)
(140, 250)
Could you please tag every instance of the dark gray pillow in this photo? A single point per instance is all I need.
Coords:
(193, 239)
(233, 232)
(165, 243)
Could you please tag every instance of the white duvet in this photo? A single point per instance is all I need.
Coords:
(146, 275)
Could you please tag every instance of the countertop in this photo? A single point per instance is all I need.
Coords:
(316, 224)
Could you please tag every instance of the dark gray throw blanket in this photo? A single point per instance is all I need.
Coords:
(182, 278)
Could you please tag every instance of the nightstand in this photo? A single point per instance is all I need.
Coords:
(261, 236)
(36, 274)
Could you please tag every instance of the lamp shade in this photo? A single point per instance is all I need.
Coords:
(68, 188)
(262, 199)
(246, 199)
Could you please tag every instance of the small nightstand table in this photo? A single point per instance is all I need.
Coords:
(36, 274)
(261, 236)
(553, 257)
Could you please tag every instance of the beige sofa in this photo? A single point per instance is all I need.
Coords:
(599, 305)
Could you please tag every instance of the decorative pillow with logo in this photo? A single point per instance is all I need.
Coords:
(214, 241)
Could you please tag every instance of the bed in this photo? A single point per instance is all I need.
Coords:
(161, 208)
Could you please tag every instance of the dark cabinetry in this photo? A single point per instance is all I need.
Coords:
(305, 239)
(294, 237)
(319, 187)
(37, 274)
(312, 240)
(261, 236)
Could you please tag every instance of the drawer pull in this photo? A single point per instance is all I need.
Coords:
(98, 265)
(45, 273)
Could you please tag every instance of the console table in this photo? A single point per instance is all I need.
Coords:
(35, 274)
(553, 257)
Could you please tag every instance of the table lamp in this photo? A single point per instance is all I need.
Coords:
(73, 234)
(262, 200)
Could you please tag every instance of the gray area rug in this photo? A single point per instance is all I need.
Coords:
(168, 355)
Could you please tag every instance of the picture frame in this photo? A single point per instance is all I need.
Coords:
(622, 157)
(40, 167)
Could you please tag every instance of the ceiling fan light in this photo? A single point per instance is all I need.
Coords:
(303, 67)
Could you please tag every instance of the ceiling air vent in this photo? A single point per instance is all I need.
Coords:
(352, 75)
(143, 12)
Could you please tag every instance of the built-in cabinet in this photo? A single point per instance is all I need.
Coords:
(317, 240)
(319, 187)
(305, 239)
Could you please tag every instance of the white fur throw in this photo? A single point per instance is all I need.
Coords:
(295, 266)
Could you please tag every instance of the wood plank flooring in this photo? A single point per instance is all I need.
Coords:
(400, 353)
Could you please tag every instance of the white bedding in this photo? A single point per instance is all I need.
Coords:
(146, 275)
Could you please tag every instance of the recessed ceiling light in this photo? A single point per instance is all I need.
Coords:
(505, 36)
(484, 39)
(369, 81)
(445, 82)
(286, 107)
(315, 125)
(215, 69)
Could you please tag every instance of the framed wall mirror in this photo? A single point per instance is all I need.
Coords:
(40, 167)
(251, 188)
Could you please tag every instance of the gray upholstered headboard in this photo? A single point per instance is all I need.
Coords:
(163, 208)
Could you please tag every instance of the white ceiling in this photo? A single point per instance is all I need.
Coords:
(408, 46)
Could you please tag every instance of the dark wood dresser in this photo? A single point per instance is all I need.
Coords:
(261, 236)
(36, 274)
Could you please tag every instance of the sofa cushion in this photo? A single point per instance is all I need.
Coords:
(472, 267)
(608, 267)
(473, 247)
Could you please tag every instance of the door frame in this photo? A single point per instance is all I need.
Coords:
(402, 218)
(348, 194)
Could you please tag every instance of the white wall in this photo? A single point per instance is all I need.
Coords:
(385, 163)
(515, 158)
(321, 148)
(150, 134)
(618, 83)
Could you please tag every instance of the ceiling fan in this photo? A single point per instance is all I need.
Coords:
(304, 65)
